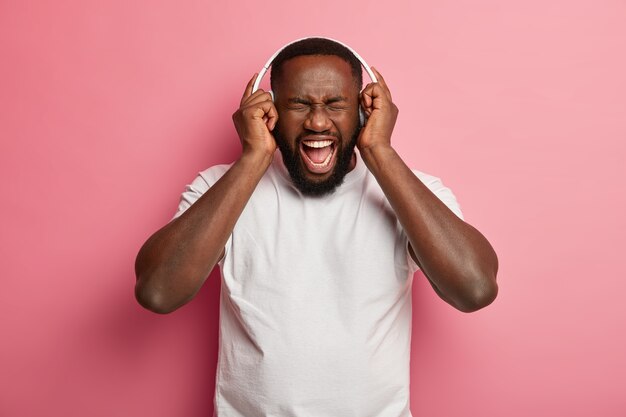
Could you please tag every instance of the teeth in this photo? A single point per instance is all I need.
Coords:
(317, 143)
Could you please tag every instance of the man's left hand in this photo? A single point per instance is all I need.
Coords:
(381, 114)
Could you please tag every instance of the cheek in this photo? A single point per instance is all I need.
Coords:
(290, 122)
(347, 124)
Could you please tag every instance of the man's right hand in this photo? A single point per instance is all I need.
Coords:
(255, 119)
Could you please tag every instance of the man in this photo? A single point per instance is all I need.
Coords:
(317, 246)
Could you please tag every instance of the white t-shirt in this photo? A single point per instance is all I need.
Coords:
(315, 306)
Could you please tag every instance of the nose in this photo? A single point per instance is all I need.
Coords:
(317, 120)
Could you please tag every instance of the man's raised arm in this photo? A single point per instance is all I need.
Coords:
(456, 258)
(175, 261)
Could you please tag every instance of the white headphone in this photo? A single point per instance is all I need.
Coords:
(257, 82)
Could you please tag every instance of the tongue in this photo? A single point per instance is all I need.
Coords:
(317, 155)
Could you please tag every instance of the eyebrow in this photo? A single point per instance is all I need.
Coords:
(330, 100)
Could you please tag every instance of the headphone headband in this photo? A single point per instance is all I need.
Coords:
(269, 62)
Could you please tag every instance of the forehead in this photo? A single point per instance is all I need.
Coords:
(316, 76)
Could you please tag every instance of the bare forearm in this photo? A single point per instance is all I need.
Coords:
(174, 263)
(457, 259)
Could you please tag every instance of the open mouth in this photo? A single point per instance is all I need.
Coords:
(318, 154)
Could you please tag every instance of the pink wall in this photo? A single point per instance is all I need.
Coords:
(107, 110)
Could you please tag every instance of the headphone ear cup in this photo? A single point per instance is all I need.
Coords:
(362, 116)
(271, 94)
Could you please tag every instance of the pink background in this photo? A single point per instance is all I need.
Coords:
(107, 110)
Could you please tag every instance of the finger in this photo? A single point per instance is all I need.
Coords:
(366, 109)
(368, 94)
(272, 117)
(258, 97)
(248, 91)
(379, 76)
(267, 113)
(382, 82)
(366, 100)
(253, 98)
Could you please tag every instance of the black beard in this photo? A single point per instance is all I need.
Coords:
(292, 157)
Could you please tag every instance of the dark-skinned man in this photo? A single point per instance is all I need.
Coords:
(317, 246)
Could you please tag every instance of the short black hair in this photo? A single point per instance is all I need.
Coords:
(316, 46)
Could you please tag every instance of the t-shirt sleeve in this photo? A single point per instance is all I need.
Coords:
(444, 194)
(203, 181)
(441, 191)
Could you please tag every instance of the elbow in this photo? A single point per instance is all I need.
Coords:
(479, 295)
(481, 287)
(152, 300)
(148, 292)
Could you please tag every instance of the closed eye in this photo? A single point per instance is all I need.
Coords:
(337, 103)
(298, 107)
(298, 104)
